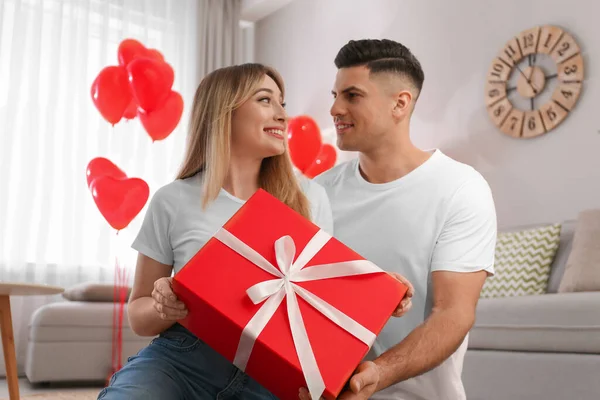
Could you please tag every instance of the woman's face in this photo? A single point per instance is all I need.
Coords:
(259, 126)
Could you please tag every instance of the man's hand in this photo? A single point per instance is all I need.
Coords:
(406, 303)
(362, 384)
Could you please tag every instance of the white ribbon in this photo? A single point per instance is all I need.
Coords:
(275, 290)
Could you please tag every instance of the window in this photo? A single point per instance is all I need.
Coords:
(50, 53)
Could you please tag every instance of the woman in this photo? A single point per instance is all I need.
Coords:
(236, 145)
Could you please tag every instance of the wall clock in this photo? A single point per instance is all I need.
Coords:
(534, 82)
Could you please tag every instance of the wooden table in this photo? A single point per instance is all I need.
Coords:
(8, 289)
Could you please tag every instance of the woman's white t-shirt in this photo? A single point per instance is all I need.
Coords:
(176, 227)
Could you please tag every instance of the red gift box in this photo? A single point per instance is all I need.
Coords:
(263, 321)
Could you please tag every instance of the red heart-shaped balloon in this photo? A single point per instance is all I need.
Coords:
(304, 141)
(101, 166)
(150, 81)
(129, 50)
(324, 161)
(160, 123)
(131, 110)
(111, 93)
(155, 54)
(119, 200)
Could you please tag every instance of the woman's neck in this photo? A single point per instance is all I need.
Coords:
(242, 177)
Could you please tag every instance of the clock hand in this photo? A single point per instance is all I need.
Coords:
(522, 73)
(527, 79)
(535, 91)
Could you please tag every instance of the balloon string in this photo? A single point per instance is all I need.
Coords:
(121, 314)
(120, 289)
(114, 324)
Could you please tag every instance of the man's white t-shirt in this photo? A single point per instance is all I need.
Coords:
(439, 217)
(175, 226)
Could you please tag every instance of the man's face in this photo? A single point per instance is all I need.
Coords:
(362, 109)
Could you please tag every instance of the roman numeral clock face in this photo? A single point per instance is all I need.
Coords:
(534, 82)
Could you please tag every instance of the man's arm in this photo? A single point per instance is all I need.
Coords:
(463, 250)
(455, 296)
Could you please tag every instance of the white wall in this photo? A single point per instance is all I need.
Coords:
(549, 178)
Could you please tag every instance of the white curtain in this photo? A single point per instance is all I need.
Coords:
(50, 52)
(220, 39)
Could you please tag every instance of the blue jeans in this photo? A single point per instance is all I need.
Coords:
(177, 365)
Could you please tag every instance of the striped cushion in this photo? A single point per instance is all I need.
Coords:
(522, 262)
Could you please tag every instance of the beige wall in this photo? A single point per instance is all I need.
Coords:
(545, 179)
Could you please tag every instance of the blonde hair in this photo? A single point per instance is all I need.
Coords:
(209, 140)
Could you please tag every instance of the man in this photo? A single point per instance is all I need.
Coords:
(417, 213)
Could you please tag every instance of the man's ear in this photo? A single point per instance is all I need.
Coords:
(403, 102)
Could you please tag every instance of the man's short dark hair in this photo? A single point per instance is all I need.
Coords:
(381, 56)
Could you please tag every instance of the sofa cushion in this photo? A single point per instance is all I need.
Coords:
(93, 291)
(77, 322)
(582, 273)
(567, 232)
(561, 322)
(522, 262)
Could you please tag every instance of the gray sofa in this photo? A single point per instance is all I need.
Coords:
(536, 347)
(72, 341)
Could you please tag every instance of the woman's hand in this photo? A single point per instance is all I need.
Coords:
(166, 304)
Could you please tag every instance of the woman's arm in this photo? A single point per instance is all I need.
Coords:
(153, 307)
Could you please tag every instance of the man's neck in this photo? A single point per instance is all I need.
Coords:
(391, 161)
(242, 177)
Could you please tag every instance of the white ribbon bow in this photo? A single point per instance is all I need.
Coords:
(274, 291)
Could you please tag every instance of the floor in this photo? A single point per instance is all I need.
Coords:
(26, 388)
